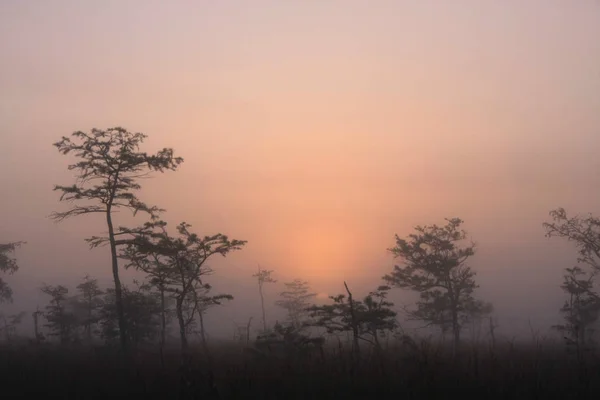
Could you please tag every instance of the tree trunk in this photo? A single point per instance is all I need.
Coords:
(354, 324)
(262, 304)
(492, 333)
(181, 320)
(455, 329)
(163, 318)
(35, 326)
(118, 290)
(248, 330)
(202, 332)
(163, 325)
(89, 321)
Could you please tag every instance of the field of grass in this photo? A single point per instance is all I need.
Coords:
(424, 371)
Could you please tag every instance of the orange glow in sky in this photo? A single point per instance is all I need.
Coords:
(315, 130)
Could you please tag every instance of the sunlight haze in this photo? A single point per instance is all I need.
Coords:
(316, 130)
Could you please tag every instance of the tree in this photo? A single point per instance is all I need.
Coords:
(8, 265)
(39, 337)
(109, 168)
(582, 308)
(295, 300)
(377, 315)
(61, 321)
(366, 319)
(141, 308)
(435, 267)
(9, 324)
(183, 259)
(90, 302)
(203, 301)
(263, 276)
(157, 271)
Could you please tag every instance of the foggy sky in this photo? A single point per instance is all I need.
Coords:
(316, 130)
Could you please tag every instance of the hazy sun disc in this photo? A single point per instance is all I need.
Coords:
(322, 253)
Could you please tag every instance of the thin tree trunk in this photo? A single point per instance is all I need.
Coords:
(182, 335)
(36, 327)
(492, 333)
(354, 324)
(455, 329)
(163, 318)
(89, 321)
(118, 290)
(248, 330)
(202, 332)
(262, 304)
(163, 325)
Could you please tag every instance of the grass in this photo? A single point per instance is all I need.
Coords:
(426, 371)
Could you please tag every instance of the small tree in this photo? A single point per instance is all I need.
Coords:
(582, 308)
(10, 323)
(377, 316)
(91, 302)
(8, 265)
(142, 314)
(203, 302)
(435, 267)
(61, 321)
(366, 319)
(295, 300)
(263, 276)
(184, 260)
(143, 259)
(109, 168)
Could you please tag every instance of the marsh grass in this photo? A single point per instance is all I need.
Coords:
(424, 370)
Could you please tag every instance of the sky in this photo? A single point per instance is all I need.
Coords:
(316, 130)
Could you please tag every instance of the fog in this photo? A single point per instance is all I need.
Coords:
(316, 131)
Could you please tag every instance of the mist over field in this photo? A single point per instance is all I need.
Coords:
(316, 132)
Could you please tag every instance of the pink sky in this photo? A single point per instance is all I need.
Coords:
(315, 130)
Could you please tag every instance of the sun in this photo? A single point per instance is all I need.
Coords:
(322, 253)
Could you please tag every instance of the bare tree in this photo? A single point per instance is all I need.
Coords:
(263, 276)
(435, 267)
(109, 168)
(8, 265)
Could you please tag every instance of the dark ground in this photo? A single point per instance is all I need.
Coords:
(506, 372)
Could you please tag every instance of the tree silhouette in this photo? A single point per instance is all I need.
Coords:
(262, 277)
(8, 265)
(366, 319)
(142, 258)
(435, 267)
(109, 168)
(91, 302)
(61, 321)
(142, 314)
(9, 324)
(203, 301)
(295, 300)
(582, 308)
(183, 260)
